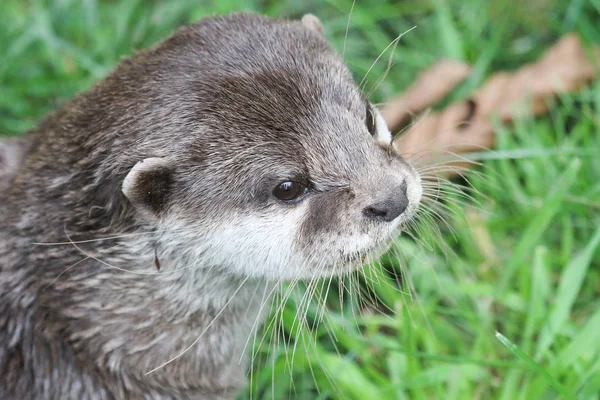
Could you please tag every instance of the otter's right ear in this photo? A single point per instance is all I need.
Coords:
(148, 185)
(313, 23)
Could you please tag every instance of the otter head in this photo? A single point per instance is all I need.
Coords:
(262, 157)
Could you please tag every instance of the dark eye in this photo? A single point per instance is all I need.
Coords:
(370, 120)
(289, 190)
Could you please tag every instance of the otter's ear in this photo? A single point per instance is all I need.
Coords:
(313, 23)
(148, 185)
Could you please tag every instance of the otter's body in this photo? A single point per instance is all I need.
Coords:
(159, 182)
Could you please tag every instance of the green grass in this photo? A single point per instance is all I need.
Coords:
(506, 305)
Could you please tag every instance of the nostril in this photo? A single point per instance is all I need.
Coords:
(390, 208)
(376, 211)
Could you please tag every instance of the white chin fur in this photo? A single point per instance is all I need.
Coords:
(254, 245)
(265, 247)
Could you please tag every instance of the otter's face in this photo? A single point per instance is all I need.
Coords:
(283, 170)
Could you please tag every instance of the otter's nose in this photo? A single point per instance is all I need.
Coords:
(390, 207)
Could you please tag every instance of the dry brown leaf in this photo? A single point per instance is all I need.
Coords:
(431, 86)
(467, 125)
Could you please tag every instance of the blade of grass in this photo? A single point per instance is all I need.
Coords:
(349, 377)
(535, 366)
(449, 33)
(538, 225)
(570, 284)
(585, 343)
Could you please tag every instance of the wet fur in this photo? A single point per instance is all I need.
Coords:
(231, 106)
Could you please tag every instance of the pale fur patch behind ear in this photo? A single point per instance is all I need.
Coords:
(148, 183)
(313, 23)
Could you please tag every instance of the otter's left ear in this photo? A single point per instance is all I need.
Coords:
(148, 185)
(313, 23)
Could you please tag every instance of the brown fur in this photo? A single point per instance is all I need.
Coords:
(232, 106)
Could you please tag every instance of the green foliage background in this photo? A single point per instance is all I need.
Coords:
(522, 258)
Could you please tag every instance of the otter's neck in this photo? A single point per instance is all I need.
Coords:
(133, 323)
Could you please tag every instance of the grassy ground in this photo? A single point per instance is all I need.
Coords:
(523, 260)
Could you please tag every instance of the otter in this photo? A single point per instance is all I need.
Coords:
(145, 223)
